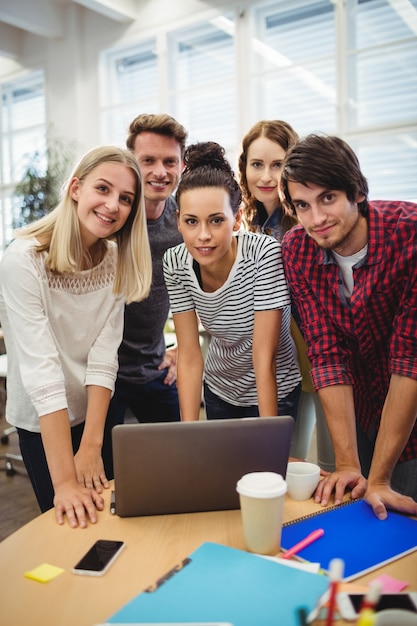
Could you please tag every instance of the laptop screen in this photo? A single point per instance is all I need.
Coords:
(181, 467)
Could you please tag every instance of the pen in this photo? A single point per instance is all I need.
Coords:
(302, 616)
(316, 534)
(113, 503)
(336, 569)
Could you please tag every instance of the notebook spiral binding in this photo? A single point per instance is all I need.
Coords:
(321, 511)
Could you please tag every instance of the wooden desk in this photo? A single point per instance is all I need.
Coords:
(153, 546)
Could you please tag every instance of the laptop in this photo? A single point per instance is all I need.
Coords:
(184, 467)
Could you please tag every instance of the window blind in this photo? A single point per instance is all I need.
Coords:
(23, 132)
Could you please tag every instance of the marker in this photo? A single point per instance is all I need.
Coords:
(367, 611)
(113, 503)
(372, 597)
(316, 534)
(366, 617)
(336, 569)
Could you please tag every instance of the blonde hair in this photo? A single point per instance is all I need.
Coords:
(285, 136)
(59, 231)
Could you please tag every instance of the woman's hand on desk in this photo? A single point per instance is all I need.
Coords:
(90, 469)
(78, 503)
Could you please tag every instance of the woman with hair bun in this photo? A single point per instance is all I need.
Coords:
(233, 282)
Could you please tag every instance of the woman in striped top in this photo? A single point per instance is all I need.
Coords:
(233, 282)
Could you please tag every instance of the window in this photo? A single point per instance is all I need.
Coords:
(199, 86)
(382, 59)
(344, 67)
(382, 87)
(23, 132)
(364, 91)
(130, 85)
(202, 86)
(294, 61)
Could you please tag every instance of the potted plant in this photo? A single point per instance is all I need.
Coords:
(45, 171)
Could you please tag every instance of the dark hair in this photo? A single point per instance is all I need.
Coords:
(285, 136)
(159, 123)
(328, 162)
(206, 166)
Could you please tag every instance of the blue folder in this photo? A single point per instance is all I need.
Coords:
(221, 584)
(352, 532)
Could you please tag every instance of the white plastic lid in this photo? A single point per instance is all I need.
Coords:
(261, 485)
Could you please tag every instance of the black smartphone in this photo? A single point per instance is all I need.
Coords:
(350, 604)
(99, 557)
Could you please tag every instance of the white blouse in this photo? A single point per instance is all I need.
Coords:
(62, 333)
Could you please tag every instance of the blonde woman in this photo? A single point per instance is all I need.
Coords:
(64, 281)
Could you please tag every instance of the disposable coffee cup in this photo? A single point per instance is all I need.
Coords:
(262, 496)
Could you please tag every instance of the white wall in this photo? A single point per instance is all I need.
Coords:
(71, 63)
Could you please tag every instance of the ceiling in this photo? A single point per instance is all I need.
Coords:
(45, 18)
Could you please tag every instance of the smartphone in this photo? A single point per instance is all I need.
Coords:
(350, 604)
(99, 557)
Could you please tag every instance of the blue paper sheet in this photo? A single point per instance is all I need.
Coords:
(222, 584)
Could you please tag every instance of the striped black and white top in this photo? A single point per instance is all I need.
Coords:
(256, 283)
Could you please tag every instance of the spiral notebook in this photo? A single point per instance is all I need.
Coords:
(352, 532)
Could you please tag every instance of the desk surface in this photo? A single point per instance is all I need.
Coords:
(153, 546)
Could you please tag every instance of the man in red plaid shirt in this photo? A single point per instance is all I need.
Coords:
(352, 270)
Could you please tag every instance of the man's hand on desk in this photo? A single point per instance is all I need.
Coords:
(170, 361)
(382, 497)
(339, 481)
(78, 503)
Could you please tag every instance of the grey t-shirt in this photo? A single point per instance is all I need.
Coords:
(143, 345)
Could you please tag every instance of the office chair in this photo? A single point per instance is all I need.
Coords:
(9, 458)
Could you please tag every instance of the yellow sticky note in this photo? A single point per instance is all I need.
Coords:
(44, 573)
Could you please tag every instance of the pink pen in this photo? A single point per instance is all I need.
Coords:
(316, 534)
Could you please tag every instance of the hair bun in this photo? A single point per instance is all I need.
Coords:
(205, 154)
(206, 166)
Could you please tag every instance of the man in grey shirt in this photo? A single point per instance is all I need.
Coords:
(146, 381)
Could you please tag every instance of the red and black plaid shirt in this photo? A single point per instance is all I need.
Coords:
(361, 341)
